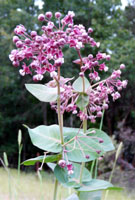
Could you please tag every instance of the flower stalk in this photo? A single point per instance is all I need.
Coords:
(60, 121)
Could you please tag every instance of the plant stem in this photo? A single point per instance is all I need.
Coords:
(60, 121)
(83, 163)
(92, 167)
(81, 171)
(96, 168)
(60, 116)
(55, 189)
(101, 122)
(19, 160)
(95, 162)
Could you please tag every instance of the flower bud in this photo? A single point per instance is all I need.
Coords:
(62, 163)
(124, 83)
(90, 56)
(57, 15)
(15, 39)
(41, 17)
(19, 44)
(87, 156)
(101, 141)
(122, 66)
(81, 74)
(48, 15)
(27, 41)
(33, 33)
(105, 106)
(38, 39)
(90, 30)
(98, 151)
(100, 158)
(99, 114)
(108, 57)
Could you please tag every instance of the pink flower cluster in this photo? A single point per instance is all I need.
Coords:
(98, 95)
(43, 53)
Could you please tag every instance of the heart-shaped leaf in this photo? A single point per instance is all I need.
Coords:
(87, 146)
(46, 138)
(78, 84)
(42, 92)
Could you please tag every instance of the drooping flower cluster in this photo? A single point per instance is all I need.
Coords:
(44, 53)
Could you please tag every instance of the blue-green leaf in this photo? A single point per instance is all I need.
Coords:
(94, 185)
(78, 84)
(42, 92)
(72, 180)
(46, 138)
(61, 174)
(82, 101)
(96, 195)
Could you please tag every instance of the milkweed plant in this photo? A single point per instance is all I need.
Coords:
(87, 98)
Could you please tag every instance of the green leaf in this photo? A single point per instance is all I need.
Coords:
(107, 144)
(51, 166)
(46, 138)
(61, 174)
(87, 145)
(82, 101)
(78, 84)
(42, 92)
(77, 150)
(73, 197)
(94, 185)
(50, 158)
(72, 180)
(96, 195)
(86, 176)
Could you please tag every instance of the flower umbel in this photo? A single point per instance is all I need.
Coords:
(45, 54)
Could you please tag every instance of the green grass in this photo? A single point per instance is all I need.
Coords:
(29, 187)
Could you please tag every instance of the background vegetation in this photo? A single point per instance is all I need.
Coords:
(113, 27)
